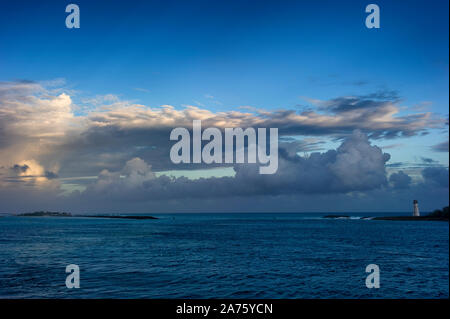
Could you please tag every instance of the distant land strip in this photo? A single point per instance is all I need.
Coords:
(64, 214)
(437, 215)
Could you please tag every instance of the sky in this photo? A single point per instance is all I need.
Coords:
(85, 114)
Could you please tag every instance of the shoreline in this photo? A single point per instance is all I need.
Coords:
(413, 218)
(391, 218)
(63, 214)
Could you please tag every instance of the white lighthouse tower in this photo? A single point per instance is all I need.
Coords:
(416, 208)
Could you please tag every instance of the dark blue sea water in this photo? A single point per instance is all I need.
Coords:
(223, 256)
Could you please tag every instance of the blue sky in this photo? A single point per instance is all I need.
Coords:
(224, 55)
(233, 50)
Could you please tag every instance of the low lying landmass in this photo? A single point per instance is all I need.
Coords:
(437, 215)
(46, 214)
(64, 214)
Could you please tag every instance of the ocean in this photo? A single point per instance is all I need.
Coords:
(270, 255)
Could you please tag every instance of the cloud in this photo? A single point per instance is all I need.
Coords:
(371, 114)
(355, 166)
(38, 122)
(293, 146)
(18, 169)
(131, 177)
(312, 183)
(345, 104)
(390, 146)
(441, 147)
(400, 180)
(44, 140)
(50, 175)
(436, 175)
(427, 160)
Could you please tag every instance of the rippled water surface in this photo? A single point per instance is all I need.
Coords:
(223, 256)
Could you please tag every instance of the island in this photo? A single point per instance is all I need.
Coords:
(46, 214)
(437, 215)
(64, 214)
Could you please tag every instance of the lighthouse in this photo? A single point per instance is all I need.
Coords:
(416, 208)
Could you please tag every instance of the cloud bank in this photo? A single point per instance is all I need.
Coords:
(117, 146)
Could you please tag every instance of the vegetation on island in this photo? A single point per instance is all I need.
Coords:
(441, 213)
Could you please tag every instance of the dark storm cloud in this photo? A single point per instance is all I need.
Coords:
(400, 180)
(354, 166)
(436, 175)
(129, 193)
(430, 193)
